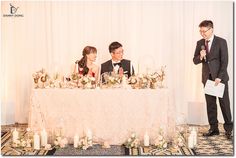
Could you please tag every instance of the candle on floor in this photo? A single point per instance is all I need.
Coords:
(190, 141)
(89, 134)
(15, 135)
(44, 137)
(36, 141)
(194, 135)
(146, 139)
(76, 141)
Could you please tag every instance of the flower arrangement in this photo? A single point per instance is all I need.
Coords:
(40, 78)
(161, 76)
(139, 82)
(22, 143)
(179, 140)
(112, 79)
(132, 142)
(85, 143)
(87, 82)
(160, 141)
(60, 142)
(143, 81)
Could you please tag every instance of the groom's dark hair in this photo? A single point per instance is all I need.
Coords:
(113, 46)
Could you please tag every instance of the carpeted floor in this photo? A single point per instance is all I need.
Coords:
(216, 145)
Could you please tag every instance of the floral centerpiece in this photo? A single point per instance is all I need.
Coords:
(153, 79)
(132, 142)
(160, 141)
(40, 78)
(142, 81)
(60, 142)
(112, 79)
(87, 82)
(179, 140)
(85, 143)
(139, 82)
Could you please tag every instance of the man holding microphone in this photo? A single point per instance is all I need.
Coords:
(212, 52)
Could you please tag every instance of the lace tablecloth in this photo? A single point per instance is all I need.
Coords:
(111, 114)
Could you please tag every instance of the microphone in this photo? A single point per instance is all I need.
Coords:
(203, 48)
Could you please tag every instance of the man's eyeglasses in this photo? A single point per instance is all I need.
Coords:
(202, 31)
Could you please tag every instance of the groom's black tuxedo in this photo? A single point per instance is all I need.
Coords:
(215, 66)
(124, 63)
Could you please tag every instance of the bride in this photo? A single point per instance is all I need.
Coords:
(86, 66)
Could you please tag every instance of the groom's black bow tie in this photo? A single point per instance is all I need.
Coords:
(117, 64)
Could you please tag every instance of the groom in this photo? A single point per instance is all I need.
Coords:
(117, 64)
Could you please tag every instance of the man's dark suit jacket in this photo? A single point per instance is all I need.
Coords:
(216, 60)
(125, 64)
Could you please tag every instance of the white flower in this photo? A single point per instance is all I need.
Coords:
(165, 145)
(106, 145)
(133, 135)
(48, 146)
(92, 79)
(58, 139)
(85, 79)
(129, 140)
(23, 143)
(84, 147)
(160, 137)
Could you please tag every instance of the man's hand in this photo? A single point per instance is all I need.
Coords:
(217, 81)
(202, 54)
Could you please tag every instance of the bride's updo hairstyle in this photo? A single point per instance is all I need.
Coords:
(82, 63)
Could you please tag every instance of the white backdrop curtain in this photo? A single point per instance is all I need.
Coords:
(153, 33)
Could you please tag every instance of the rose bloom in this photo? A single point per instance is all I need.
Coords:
(165, 145)
(84, 147)
(160, 137)
(48, 146)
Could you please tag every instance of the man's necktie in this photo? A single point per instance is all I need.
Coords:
(207, 47)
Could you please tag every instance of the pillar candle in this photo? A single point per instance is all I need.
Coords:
(44, 137)
(36, 141)
(146, 140)
(89, 134)
(76, 141)
(190, 141)
(194, 134)
(15, 135)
